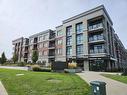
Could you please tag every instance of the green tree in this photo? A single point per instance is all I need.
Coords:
(15, 57)
(0, 60)
(34, 56)
(3, 58)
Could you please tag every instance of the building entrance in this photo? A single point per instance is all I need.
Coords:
(97, 65)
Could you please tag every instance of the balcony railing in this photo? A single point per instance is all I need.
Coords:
(95, 38)
(96, 26)
(92, 51)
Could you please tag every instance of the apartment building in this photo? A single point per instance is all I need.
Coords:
(88, 39)
(44, 43)
(21, 46)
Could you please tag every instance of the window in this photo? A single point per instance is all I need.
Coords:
(96, 37)
(31, 41)
(45, 52)
(100, 37)
(69, 50)
(79, 28)
(69, 30)
(45, 44)
(79, 49)
(79, 39)
(40, 45)
(59, 42)
(59, 51)
(69, 40)
(45, 37)
(59, 33)
(40, 38)
(99, 49)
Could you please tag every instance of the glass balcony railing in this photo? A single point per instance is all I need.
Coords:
(96, 26)
(92, 51)
(96, 38)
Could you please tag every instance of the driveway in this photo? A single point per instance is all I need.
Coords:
(112, 87)
(14, 67)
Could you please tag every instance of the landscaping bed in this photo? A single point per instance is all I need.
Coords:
(19, 82)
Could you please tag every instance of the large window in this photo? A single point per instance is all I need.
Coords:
(45, 37)
(59, 51)
(69, 40)
(97, 49)
(40, 38)
(31, 41)
(59, 33)
(79, 49)
(59, 42)
(40, 45)
(69, 30)
(45, 44)
(69, 50)
(79, 28)
(79, 39)
(96, 37)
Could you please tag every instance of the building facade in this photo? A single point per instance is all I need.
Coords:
(88, 39)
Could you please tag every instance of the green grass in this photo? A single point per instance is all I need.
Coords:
(116, 77)
(36, 83)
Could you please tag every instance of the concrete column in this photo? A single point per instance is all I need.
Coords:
(86, 65)
(73, 40)
(85, 38)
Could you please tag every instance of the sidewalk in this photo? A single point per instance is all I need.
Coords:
(14, 67)
(112, 87)
(2, 89)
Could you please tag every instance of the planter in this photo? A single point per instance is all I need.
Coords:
(73, 70)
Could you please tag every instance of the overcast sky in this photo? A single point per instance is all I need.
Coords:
(26, 17)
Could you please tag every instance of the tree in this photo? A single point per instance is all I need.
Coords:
(0, 60)
(15, 57)
(34, 56)
(3, 58)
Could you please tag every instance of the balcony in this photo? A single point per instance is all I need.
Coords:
(96, 27)
(52, 47)
(51, 54)
(96, 39)
(93, 51)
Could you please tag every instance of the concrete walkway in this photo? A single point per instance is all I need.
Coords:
(2, 90)
(14, 67)
(112, 87)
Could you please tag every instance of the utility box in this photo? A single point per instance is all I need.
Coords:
(98, 88)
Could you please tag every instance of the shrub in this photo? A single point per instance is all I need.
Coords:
(38, 68)
(124, 72)
(45, 70)
(21, 64)
(72, 65)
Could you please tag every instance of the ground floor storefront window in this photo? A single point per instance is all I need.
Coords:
(97, 65)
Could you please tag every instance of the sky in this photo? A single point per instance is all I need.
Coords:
(26, 17)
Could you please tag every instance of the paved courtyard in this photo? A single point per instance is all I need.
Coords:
(112, 87)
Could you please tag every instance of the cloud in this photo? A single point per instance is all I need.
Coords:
(26, 17)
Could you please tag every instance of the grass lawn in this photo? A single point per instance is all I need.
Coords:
(117, 77)
(42, 83)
